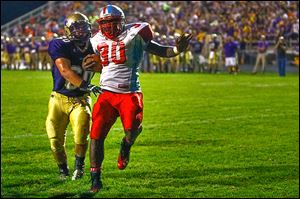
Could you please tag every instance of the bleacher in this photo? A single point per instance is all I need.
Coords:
(46, 22)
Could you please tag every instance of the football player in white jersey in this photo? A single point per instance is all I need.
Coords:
(120, 47)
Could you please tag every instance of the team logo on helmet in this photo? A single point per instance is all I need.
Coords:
(78, 27)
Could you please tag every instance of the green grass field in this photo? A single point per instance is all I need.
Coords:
(204, 136)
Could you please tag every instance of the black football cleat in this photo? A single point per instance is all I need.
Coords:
(96, 187)
(79, 168)
(63, 171)
(77, 174)
(96, 182)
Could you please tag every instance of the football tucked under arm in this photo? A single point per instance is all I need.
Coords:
(92, 62)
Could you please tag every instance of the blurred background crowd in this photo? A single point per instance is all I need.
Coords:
(24, 43)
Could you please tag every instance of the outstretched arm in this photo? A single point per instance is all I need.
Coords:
(169, 51)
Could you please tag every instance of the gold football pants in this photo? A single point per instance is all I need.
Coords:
(63, 110)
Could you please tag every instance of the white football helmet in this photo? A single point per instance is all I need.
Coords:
(111, 21)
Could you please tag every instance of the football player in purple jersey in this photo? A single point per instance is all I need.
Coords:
(230, 49)
(43, 53)
(70, 100)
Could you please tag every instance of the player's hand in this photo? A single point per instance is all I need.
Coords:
(88, 62)
(94, 89)
(182, 42)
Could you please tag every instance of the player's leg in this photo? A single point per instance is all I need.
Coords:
(18, 60)
(233, 64)
(103, 117)
(284, 66)
(211, 61)
(254, 70)
(280, 66)
(42, 59)
(10, 61)
(34, 61)
(80, 121)
(237, 66)
(216, 62)
(56, 124)
(131, 113)
(263, 62)
(227, 65)
(27, 60)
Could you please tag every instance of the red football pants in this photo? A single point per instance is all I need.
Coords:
(109, 106)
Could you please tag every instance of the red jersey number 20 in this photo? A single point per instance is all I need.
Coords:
(117, 48)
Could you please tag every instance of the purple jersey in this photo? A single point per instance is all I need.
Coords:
(34, 47)
(11, 48)
(26, 48)
(262, 46)
(64, 48)
(43, 46)
(230, 48)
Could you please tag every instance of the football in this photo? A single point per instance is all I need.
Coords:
(91, 61)
(93, 58)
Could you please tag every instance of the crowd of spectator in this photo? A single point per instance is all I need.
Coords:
(243, 21)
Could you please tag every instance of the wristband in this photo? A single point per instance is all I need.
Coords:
(175, 50)
(84, 84)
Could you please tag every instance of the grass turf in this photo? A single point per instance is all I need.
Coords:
(204, 136)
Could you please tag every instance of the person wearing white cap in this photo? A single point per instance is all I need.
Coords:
(281, 47)
(262, 47)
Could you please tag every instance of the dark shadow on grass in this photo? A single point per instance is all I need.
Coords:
(248, 175)
(73, 195)
(18, 195)
(63, 195)
(36, 195)
(86, 195)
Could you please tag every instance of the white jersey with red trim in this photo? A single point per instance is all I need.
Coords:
(121, 59)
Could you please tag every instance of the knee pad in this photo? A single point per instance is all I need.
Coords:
(81, 139)
(56, 145)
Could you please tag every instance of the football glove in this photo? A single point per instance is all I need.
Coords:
(90, 88)
(95, 89)
(182, 42)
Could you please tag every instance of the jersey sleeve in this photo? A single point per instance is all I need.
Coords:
(146, 33)
(94, 43)
(57, 49)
